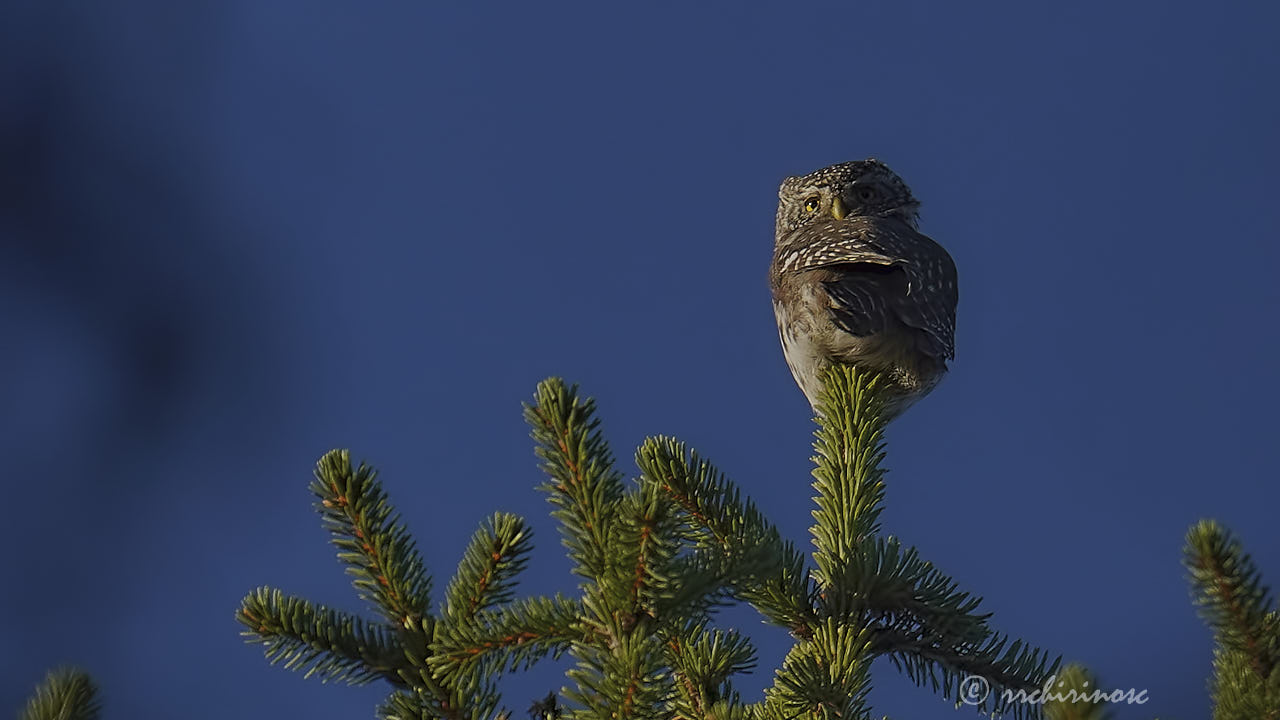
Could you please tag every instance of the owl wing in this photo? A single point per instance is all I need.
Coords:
(887, 272)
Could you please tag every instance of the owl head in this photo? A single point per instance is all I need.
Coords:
(858, 188)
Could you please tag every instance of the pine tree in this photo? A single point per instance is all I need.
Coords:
(655, 557)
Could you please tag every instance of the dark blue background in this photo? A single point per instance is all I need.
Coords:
(236, 235)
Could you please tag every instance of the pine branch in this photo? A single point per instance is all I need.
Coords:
(515, 636)
(702, 662)
(583, 486)
(625, 679)
(320, 641)
(498, 552)
(464, 704)
(1228, 589)
(918, 618)
(826, 676)
(735, 541)
(788, 599)
(1238, 692)
(905, 608)
(371, 540)
(706, 580)
(64, 694)
(929, 659)
(849, 446)
(720, 517)
(467, 693)
(648, 534)
(884, 579)
(406, 705)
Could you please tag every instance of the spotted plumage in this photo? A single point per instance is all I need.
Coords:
(854, 282)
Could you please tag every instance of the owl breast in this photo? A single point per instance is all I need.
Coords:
(812, 341)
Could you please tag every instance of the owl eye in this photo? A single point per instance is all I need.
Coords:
(866, 193)
(811, 204)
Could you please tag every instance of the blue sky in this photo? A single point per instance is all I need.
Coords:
(236, 236)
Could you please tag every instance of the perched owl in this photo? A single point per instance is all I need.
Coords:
(854, 282)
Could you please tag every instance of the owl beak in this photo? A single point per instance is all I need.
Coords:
(838, 210)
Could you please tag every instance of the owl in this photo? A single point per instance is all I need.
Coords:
(855, 282)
